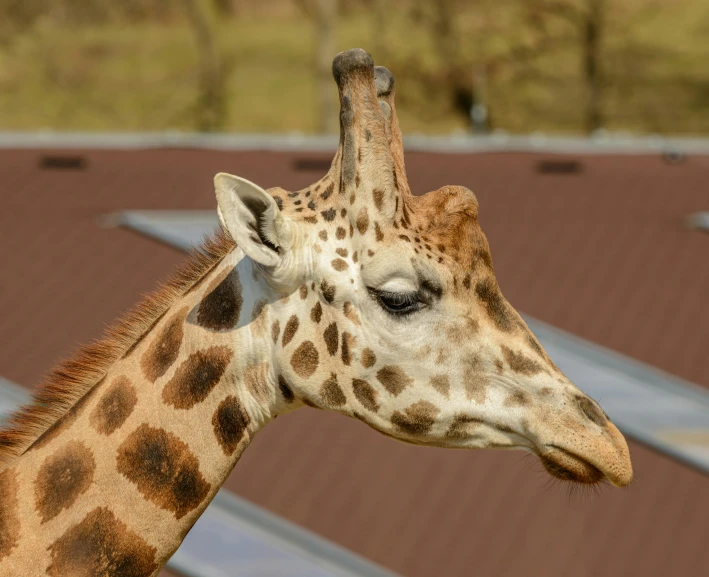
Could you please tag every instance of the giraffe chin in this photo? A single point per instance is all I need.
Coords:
(567, 466)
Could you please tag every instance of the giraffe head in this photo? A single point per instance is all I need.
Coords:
(391, 312)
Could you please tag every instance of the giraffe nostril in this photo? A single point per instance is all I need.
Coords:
(592, 411)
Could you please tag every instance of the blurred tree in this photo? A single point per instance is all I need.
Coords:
(326, 21)
(477, 46)
(587, 18)
(379, 10)
(225, 7)
(17, 17)
(621, 73)
(592, 32)
(211, 106)
(455, 65)
(462, 50)
(518, 65)
(323, 14)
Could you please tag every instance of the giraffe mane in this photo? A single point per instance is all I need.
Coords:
(74, 377)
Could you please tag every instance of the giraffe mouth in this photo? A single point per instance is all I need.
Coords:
(568, 466)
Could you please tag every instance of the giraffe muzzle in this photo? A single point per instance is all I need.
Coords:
(567, 466)
(589, 459)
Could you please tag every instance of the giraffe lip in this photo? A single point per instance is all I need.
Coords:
(568, 466)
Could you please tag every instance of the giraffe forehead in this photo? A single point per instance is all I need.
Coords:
(387, 265)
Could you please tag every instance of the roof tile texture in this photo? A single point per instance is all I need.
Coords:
(601, 253)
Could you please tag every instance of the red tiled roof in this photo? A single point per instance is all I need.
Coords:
(601, 253)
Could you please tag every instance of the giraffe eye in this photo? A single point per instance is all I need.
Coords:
(398, 303)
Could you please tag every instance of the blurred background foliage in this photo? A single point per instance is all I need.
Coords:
(557, 66)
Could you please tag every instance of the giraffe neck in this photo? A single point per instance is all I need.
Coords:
(137, 460)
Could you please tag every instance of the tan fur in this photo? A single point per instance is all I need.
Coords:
(73, 378)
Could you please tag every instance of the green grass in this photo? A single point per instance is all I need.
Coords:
(145, 76)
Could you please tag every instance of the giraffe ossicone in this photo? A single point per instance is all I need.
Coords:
(350, 295)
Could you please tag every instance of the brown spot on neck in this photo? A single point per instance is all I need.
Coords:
(101, 546)
(195, 378)
(163, 351)
(115, 406)
(62, 478)
(230, 422)
(220, 309)
(9, 516)
(163, 469)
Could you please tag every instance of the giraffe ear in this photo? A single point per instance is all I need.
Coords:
(251, 217)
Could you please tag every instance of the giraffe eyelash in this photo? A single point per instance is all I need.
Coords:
(398, 304)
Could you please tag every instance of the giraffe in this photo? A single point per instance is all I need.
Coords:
(350, 295)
